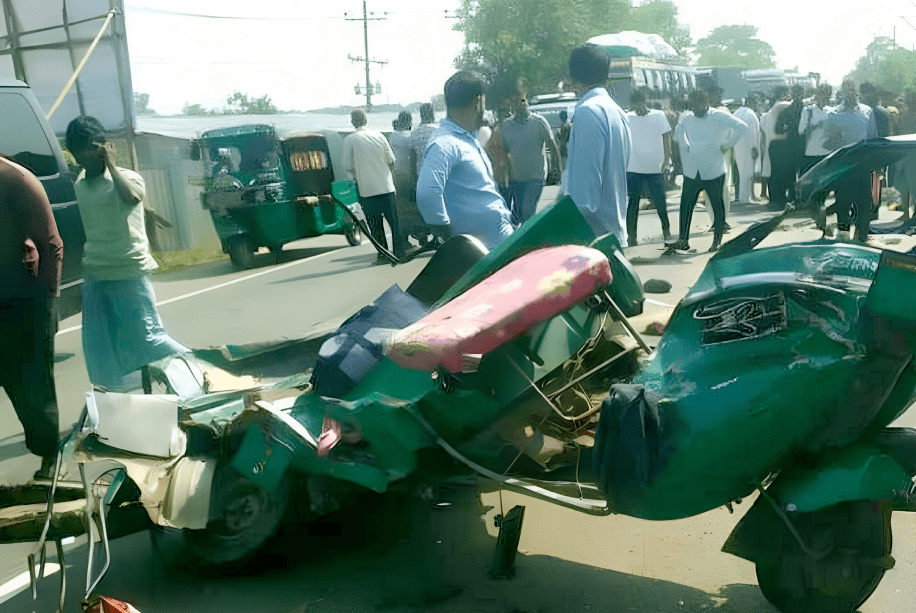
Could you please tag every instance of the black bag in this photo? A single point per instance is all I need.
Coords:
(632, 445)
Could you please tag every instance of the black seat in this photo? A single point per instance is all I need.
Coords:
(454, 258)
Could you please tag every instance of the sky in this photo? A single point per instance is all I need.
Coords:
(296, 51)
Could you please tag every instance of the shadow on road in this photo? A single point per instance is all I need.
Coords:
(220, 268)
(326, 273)
(389, 553)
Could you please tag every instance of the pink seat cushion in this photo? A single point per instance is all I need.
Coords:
(528, 290)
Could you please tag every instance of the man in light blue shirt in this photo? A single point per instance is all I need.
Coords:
(599, 147)
(850, 123)
(456, 192)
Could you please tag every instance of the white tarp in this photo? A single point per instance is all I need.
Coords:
(43, 41)
(630, 42)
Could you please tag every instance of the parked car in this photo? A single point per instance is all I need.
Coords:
(27, 137)
(549, 106)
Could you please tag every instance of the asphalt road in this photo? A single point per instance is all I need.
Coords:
(400, 554)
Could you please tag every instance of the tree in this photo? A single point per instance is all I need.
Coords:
(531, 39)
(735, 46)
(141, 103)
(239, 104)
(660, 17)
(194, 109)
(889, 67)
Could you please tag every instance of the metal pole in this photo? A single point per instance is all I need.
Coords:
(18, 66)
(366, 45)
(119, 46)
(79, 93)
(82, 63)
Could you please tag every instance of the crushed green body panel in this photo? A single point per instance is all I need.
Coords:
(626, 288)
(893, 292)
(858, 472)
(771, 353)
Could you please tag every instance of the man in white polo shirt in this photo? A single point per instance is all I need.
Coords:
(368, 157)
(811, 126)
(650, 135)
(703, 138)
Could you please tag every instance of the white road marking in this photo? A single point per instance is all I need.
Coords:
(266, 271)
(657, 303)
(18, 583)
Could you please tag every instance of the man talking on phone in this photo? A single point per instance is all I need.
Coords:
(122, 330)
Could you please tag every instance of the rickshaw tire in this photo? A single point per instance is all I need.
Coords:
(241, 251)
(843, 580)
(235, 540)
(353, 234)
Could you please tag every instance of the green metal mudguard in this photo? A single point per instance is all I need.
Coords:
(858, 472)
(879, 470)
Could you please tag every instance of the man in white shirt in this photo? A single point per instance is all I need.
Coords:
(650, 135)
(703, 139)
(811, 126)
(747, 149)
(368, 157)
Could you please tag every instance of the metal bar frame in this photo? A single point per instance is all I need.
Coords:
(49, 28)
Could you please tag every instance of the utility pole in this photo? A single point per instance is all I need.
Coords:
(365, 59)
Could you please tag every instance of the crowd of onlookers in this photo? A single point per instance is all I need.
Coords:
(720, 148)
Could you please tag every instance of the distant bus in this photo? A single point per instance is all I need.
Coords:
(663, 80)
(737, 83)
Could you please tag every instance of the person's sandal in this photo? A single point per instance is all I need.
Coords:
(46, 472)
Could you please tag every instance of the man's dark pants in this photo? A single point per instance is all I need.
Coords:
(782, 172)
(524, 196)
(27, 327)
(854, 202)
(383, 205)
(655, 184)
(689, 194)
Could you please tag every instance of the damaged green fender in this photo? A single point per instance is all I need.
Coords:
(858, 472)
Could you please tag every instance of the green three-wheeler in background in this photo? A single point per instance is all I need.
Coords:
(260, 188)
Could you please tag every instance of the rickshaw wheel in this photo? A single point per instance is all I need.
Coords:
(353, 233)
(857, 536)
(242, 517)
(241, 251)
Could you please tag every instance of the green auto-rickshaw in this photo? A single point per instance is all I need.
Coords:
(260, 188)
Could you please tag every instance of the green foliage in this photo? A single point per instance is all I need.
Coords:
(194, 109)
(660, 17)
(530, 40)
(889, 67)
(236, 104)
(141, 103)
(735, 46)
(240, 104)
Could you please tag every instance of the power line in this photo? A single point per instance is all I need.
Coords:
(146, 9)
(446, 13)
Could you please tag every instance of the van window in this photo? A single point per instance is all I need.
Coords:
(22, 135)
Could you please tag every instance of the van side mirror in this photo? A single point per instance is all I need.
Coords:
(195, 150)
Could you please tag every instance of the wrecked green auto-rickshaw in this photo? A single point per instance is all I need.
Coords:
(779, 375)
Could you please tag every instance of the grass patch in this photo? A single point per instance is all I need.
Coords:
(170, 261)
